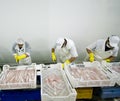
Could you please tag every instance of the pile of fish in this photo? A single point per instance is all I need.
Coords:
(54, 84)
(90, 73)
(11, 79)
(116, 69)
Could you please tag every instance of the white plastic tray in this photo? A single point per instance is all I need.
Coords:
(113, 70)
(87, 76)
(18, 77)
(55, 86)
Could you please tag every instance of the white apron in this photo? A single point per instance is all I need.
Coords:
(63, 54)
(101, 54)
(25, 61)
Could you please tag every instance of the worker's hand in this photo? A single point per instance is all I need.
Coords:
(107, 60)
(66, 62)
(20, 57)
(53, 57)
(91, 57)
(62, 65)
(16, 57)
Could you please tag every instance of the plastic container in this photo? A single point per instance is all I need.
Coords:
(55, 86)
(18, 77)
(113, 70)
(107, 92)
(84, 93)
(81, 78)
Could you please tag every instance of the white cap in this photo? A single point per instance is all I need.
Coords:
(114, 40)
(60, 42)
(20, 41)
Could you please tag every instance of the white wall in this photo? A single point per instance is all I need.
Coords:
(41, 22)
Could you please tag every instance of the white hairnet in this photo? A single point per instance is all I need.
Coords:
(114, 40)
(20, 41)
(60, 42)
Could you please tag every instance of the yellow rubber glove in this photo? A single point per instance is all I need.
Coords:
(66, 62)
(20, 57)
(62, 65)
(107, 60)
(91, 57)
(16, 57)
(53, 57)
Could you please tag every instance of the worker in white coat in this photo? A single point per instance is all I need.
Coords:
(64, 51)
(21, 51)
(104, 49)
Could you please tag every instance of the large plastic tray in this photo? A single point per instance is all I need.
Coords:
(18, 77)
(55, 86)
(113, 70)
(81, 75)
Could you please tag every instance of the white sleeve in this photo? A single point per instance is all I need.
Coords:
(92, 46)
(28, 48)
(115, 52)
(13, 49)
(73, 51)
(55, 46)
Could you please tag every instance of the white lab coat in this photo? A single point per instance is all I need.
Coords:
(24, 50)
(66, 52)
(98, 48)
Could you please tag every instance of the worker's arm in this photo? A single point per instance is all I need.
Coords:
(91, 55)
(92, 46)
(13, 49)
(73, 52)
(110, 59)
(16, 57)
(88, 50)
(72, 59)
(14, 52)
(27, 48)
(114, 55)
(68, 61)
(23, 56)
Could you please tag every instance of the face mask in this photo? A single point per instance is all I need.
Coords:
(108, 45)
